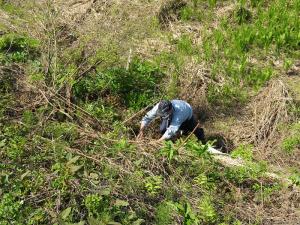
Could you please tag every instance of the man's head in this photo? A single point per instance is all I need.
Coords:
(164, 109)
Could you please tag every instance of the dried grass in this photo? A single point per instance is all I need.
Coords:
(264, 125)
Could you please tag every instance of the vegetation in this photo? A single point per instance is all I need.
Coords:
(74, 77)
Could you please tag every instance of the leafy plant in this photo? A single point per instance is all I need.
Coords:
(153, 184)
(17, 48)
(169, 150)
(135, 86)
(250, 170)
(243, 151)
(207, 211)
(164, 213)
(290, 143)
(185, 210)
(96, 204)
(295, 178)
(242, 15)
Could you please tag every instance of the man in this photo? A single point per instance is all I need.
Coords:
(176, 115)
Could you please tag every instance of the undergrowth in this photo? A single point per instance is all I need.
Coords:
(66, 156)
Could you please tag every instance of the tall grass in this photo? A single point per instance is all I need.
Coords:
(252, 31)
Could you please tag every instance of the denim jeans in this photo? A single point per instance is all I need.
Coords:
(187, 127)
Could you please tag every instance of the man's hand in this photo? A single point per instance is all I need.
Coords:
(140, 135)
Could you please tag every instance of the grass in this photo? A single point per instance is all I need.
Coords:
(58, 169)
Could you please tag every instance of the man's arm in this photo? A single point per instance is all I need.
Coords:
(147, 119)
(141, 132)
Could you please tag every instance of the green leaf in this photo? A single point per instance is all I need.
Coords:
(25, 174)
(74, 169)
(105, 192)
(73, 160)
(64, 214)
(138, 222)
(120, 203)
(94, 176)
(93, 221)
(2, 143)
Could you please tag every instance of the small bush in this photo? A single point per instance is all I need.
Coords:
(292, 142)
(244, 151)
(207, 212)
(135, 87)
(242, 15)
(62, 131)
(17, 48)
(164, 213)
(185, 45)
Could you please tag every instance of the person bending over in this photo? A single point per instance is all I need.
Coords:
(176, 115)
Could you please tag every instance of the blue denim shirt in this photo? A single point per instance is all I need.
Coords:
(182, 111)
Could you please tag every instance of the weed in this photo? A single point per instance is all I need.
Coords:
(226, 96)
(207, 211)
(153, 184)
(135, 86)
(185, 45)
(243, 151)
(242, 15)
(95, 204)
(292, 142)
(264, 192)
(185, 210)
(9, 208)
(250, 170)
(169, 150)
(17, 48)
(164, 213)
(191, 13)
(61, 131)
(295, 178)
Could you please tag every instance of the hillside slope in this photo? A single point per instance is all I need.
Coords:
(77, 76)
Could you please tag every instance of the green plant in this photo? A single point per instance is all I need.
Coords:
(249, 171)
(242, 15)
(264, 192)
(169, 150)
(191, 13)
(17, 48)
(185, 45)
(61, 131)
(290, 143)
(164, 213)
(207, 211)
(243, 151)
(295, 178)
(185, 210)
(153, 184)
(135, 87)
(9, 208)
(96, 204)
(205, 182)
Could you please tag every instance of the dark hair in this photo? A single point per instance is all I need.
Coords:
(164, 107)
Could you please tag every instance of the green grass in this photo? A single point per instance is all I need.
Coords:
(57, 170)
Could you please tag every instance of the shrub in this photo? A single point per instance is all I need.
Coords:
(164, 213)
(153, 184)
(242, 15)
(243, 151)
(289, 144)
(95, 204)
(207, 211)
(18, 48)
(135, 87)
